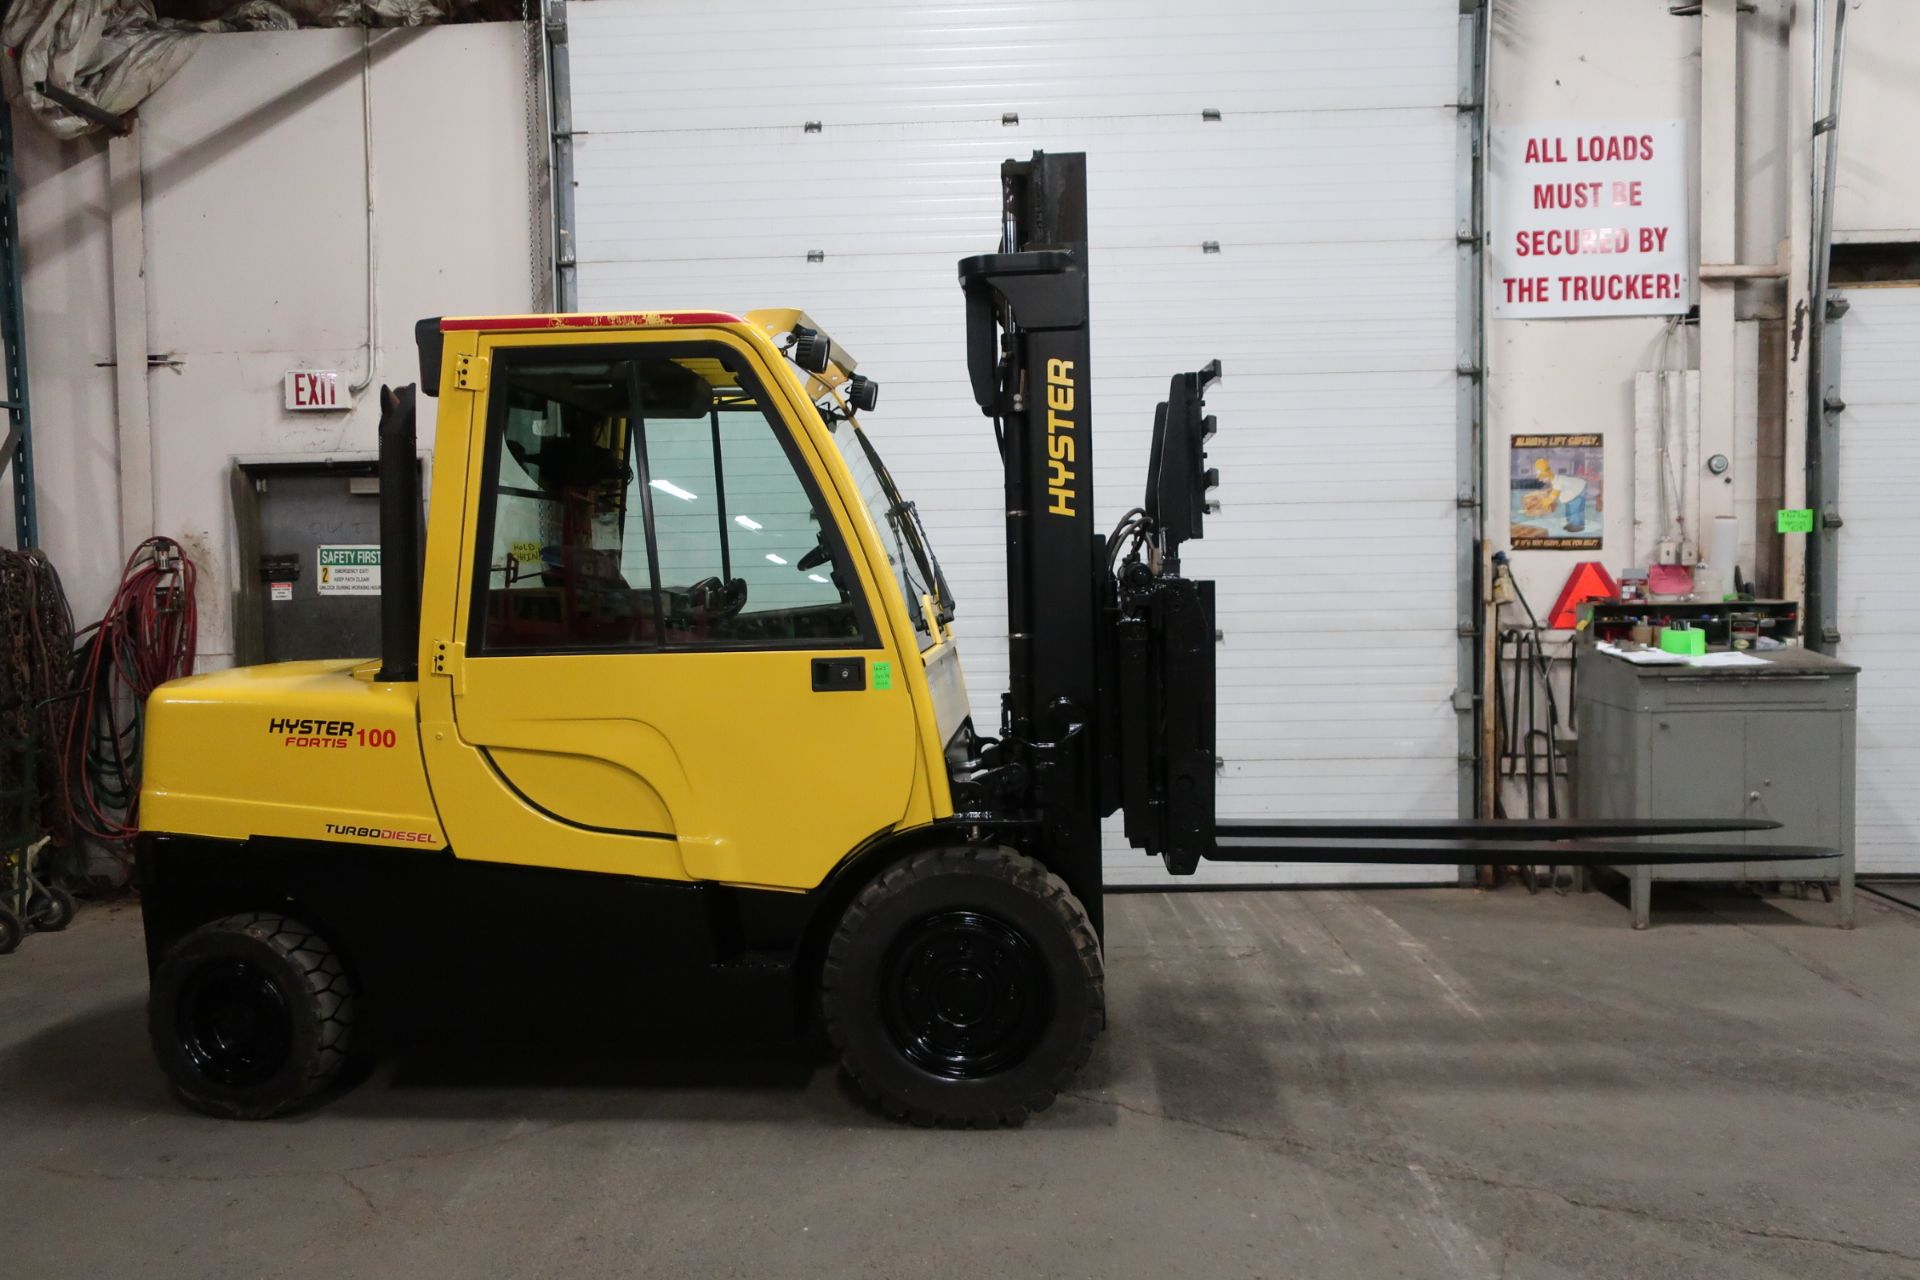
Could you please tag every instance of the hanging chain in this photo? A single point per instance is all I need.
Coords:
(539, 276)
(33, 681)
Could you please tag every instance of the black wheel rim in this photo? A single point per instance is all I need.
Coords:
(964, 995)
(234, 1025)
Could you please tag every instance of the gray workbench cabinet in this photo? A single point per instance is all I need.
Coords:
(1732, 742)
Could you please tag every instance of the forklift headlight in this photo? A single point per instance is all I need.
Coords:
(812, 350)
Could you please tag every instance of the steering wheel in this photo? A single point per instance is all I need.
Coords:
(721, 600)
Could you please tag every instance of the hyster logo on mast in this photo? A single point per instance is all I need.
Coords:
(1061, 493)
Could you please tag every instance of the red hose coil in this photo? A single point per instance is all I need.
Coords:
(147, 637)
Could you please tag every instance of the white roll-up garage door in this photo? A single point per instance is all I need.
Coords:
(1879, 571)
(841, 155)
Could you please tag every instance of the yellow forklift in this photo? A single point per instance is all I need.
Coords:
(670, 711)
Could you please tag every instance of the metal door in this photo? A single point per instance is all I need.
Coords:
(291, 518)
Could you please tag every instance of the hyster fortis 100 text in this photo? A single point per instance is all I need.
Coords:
(670, 704)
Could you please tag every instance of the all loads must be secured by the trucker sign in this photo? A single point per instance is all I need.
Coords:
(1590, 220)
(349, 570)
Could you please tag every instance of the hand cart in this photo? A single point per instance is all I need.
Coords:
(27, 903)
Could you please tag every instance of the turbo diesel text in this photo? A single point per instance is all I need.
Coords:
(380, 833)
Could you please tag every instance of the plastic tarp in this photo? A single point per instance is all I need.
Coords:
(115, 53)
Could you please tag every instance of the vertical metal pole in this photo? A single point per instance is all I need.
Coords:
(1823, 484)
(365, 380)
(1827, 129)
(566, 287)
(1469, 398)
(1805, 25)
(1719, 243)
(127, 224)
(720, 499)
(1822, 629)
(26, 525)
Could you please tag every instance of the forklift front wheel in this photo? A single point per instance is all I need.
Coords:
(964, 987)
(11, 931)
(251, 1016)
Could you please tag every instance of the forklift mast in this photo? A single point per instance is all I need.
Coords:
(1111, 683)
(1111, 695)
(1027, 357)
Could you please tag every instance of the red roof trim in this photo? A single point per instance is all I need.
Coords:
(599, 320)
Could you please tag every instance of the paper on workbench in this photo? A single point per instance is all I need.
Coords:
(1661, 658)
(1727, 660)
(1643, 657)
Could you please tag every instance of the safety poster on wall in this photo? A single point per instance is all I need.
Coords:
(1557, 491)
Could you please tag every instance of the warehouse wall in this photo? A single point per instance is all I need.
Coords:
(1877, 186)
(256, 235)
(1554, 61)
(69, 337)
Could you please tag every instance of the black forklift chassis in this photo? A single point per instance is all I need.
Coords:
(439, 942)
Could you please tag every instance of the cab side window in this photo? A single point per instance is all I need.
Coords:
(649, 498)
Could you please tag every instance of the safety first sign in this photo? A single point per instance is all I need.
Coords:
(349, 570)
(1590, 220)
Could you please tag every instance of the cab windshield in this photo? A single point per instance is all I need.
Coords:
(909, 553)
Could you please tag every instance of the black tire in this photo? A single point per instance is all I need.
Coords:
(53, 911)
(964, 987)
(252, 1016)
(11, 931)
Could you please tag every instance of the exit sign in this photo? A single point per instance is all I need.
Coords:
(308, 390)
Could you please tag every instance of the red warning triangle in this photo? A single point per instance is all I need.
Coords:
(1589, 581)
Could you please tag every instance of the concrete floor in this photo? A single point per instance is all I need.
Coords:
(1356, 1085)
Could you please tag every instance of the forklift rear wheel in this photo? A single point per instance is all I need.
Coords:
(54, 911)
(251, 1016)
(11, 931)
(964, 987)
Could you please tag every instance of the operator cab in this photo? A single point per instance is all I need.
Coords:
(646, 498)
(680, 555)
